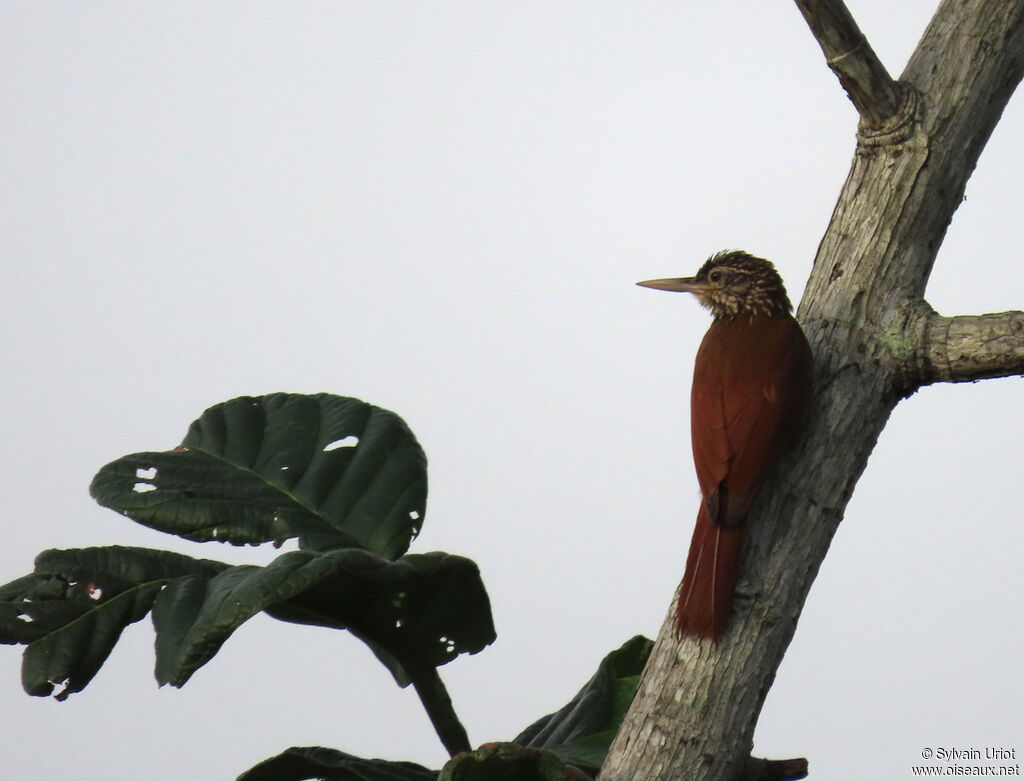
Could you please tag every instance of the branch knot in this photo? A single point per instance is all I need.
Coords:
(898, 129)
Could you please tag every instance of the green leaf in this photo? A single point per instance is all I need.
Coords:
(418, 612)
(509, 762)
(72, 609)
(334, 471)
(195, 615)
(582, 731)
(300, 763)
(415, 613)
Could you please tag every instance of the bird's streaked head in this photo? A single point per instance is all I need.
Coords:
(733, 283)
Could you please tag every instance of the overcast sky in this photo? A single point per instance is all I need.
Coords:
(441, 208)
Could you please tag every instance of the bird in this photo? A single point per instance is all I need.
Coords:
(751, 394)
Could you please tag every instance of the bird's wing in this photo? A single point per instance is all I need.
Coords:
(741, 410)
(733, 427)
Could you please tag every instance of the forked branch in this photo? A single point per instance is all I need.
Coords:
(851, 58)
(697, 704)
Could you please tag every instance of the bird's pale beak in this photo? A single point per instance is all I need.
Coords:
(675, 284)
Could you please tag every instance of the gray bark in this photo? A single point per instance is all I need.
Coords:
(875, 340)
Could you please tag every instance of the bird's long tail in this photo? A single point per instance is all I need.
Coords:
(705, 597)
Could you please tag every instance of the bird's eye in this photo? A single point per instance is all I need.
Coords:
(717, 276)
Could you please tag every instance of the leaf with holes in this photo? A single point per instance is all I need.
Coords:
(419, 612)
(333, 471)
(71, 610)
(304, 762)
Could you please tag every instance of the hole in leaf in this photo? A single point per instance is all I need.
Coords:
(94, 591)
(414, 515)
(141, 488)
(25, 617)
(284, 468)
(398, 623)
(146, 474)
(60, 688)
(350, 441)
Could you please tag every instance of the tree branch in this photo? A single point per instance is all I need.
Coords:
(972, 347)
(874, 93)
(774, 769)
(697, 704)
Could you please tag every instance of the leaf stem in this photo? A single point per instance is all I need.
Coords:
(438, 704)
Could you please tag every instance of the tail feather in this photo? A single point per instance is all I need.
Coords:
(705, 596)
